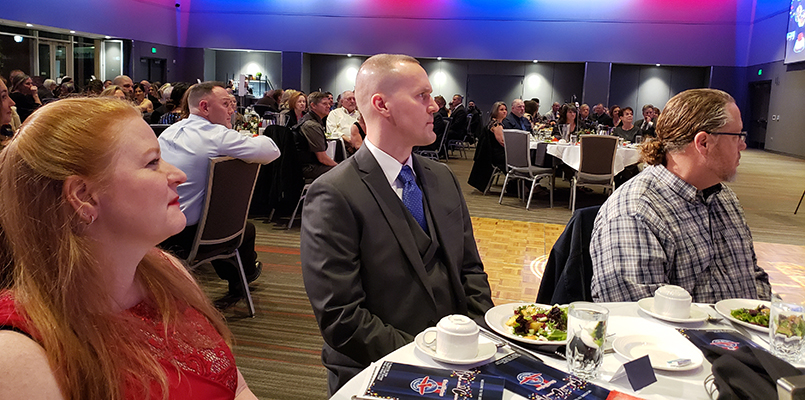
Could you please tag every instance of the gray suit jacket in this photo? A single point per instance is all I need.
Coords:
(362, 269)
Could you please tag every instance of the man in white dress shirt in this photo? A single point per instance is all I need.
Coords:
(340, 120)
(189, 144)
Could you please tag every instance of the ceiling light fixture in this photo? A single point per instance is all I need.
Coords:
(72, 31)
(535, 61)
(439, 58)
(349, 54)
(28, 25)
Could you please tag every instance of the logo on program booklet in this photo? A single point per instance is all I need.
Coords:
(725, 344)
(534, 379)
(426, 385)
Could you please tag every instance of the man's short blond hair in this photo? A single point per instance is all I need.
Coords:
(378, 73)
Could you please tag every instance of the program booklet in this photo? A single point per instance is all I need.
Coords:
(408, 382)
(536, 381)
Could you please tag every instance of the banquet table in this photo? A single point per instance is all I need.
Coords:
(336, 149)
(571, 155)
(624, 319)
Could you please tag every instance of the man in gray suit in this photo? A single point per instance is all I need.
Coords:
(376, 272)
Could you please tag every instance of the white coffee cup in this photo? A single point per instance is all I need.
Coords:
(672, 301)
(455, 337)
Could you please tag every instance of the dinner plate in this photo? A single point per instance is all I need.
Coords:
(497, 316)
(696, 314)
(725, 306)
(485, 351)
(659, 350)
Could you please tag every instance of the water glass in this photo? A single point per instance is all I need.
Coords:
(586, 334)
(787, 326)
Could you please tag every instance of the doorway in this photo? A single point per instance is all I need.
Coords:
(53, 59)
(759, 95)
(156, 68)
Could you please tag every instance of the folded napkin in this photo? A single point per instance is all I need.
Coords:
(741, 369)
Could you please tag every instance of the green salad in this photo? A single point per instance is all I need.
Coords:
(537, 323)
(755, 316)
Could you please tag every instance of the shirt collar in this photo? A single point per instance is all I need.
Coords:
(684, 189)
(390, 166)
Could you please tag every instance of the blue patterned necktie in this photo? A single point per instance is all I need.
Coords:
(412, 196)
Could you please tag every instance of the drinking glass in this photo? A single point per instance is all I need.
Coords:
(787, 326)
(586, 333)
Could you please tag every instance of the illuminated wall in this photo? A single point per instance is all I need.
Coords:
(679, 32)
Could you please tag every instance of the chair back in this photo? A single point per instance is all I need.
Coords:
(598, 154)
(469, 125)
(223, 219)
(517, 147)
(159, 128)
(568, 273)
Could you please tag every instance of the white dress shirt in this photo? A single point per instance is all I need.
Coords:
(339, 121)
(390, 166)
(190, 143)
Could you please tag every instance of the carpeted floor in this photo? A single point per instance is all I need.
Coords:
(278, 350)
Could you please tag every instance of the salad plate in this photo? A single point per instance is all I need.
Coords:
(725, 308)
(497, 316)
(660, 351)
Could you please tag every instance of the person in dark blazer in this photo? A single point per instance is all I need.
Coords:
(376, 273)
(458, 114)
(516, 118)
(646, 124)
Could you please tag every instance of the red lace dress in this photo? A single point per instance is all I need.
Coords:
(197, 361)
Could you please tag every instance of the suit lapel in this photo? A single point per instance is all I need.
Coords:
(394, 213)
(438, 210)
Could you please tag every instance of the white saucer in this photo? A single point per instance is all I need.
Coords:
(485, 351)
(659, 350)
(696, 314)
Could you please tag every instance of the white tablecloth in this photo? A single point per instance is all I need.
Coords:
(571, 155)
(624, 319)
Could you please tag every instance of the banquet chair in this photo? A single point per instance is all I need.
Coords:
(597, 166)
(299, 203)
(463, 144)
(569, 270)
(516, 144)
(441, 149)
(159, 128)
(496, 174)
(223, 219)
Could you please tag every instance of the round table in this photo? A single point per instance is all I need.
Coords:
(571, 155)
(624, 319)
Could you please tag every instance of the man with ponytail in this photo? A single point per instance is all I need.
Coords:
(676, 222)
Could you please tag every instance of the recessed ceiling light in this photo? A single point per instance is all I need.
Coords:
(657, 65)
(439, 58)
(536, 61)
(72, 31)
(28, 25)
(349, 54)
(108, 37)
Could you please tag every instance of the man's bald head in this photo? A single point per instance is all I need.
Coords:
(379, 74)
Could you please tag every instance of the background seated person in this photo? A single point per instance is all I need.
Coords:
(356, 135)
(297, 107)
(627, 130)
(516, 118)
(567, 116)
(647, 124)
(189, 144)
(312, 143)
(490, 152)
(676, 222)
(91, 308)
(341, 120)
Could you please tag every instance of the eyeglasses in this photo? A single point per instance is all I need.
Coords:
(741, 135)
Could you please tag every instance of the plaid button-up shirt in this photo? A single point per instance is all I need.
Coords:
(657, 229)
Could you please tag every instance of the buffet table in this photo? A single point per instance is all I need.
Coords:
(624, 319)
